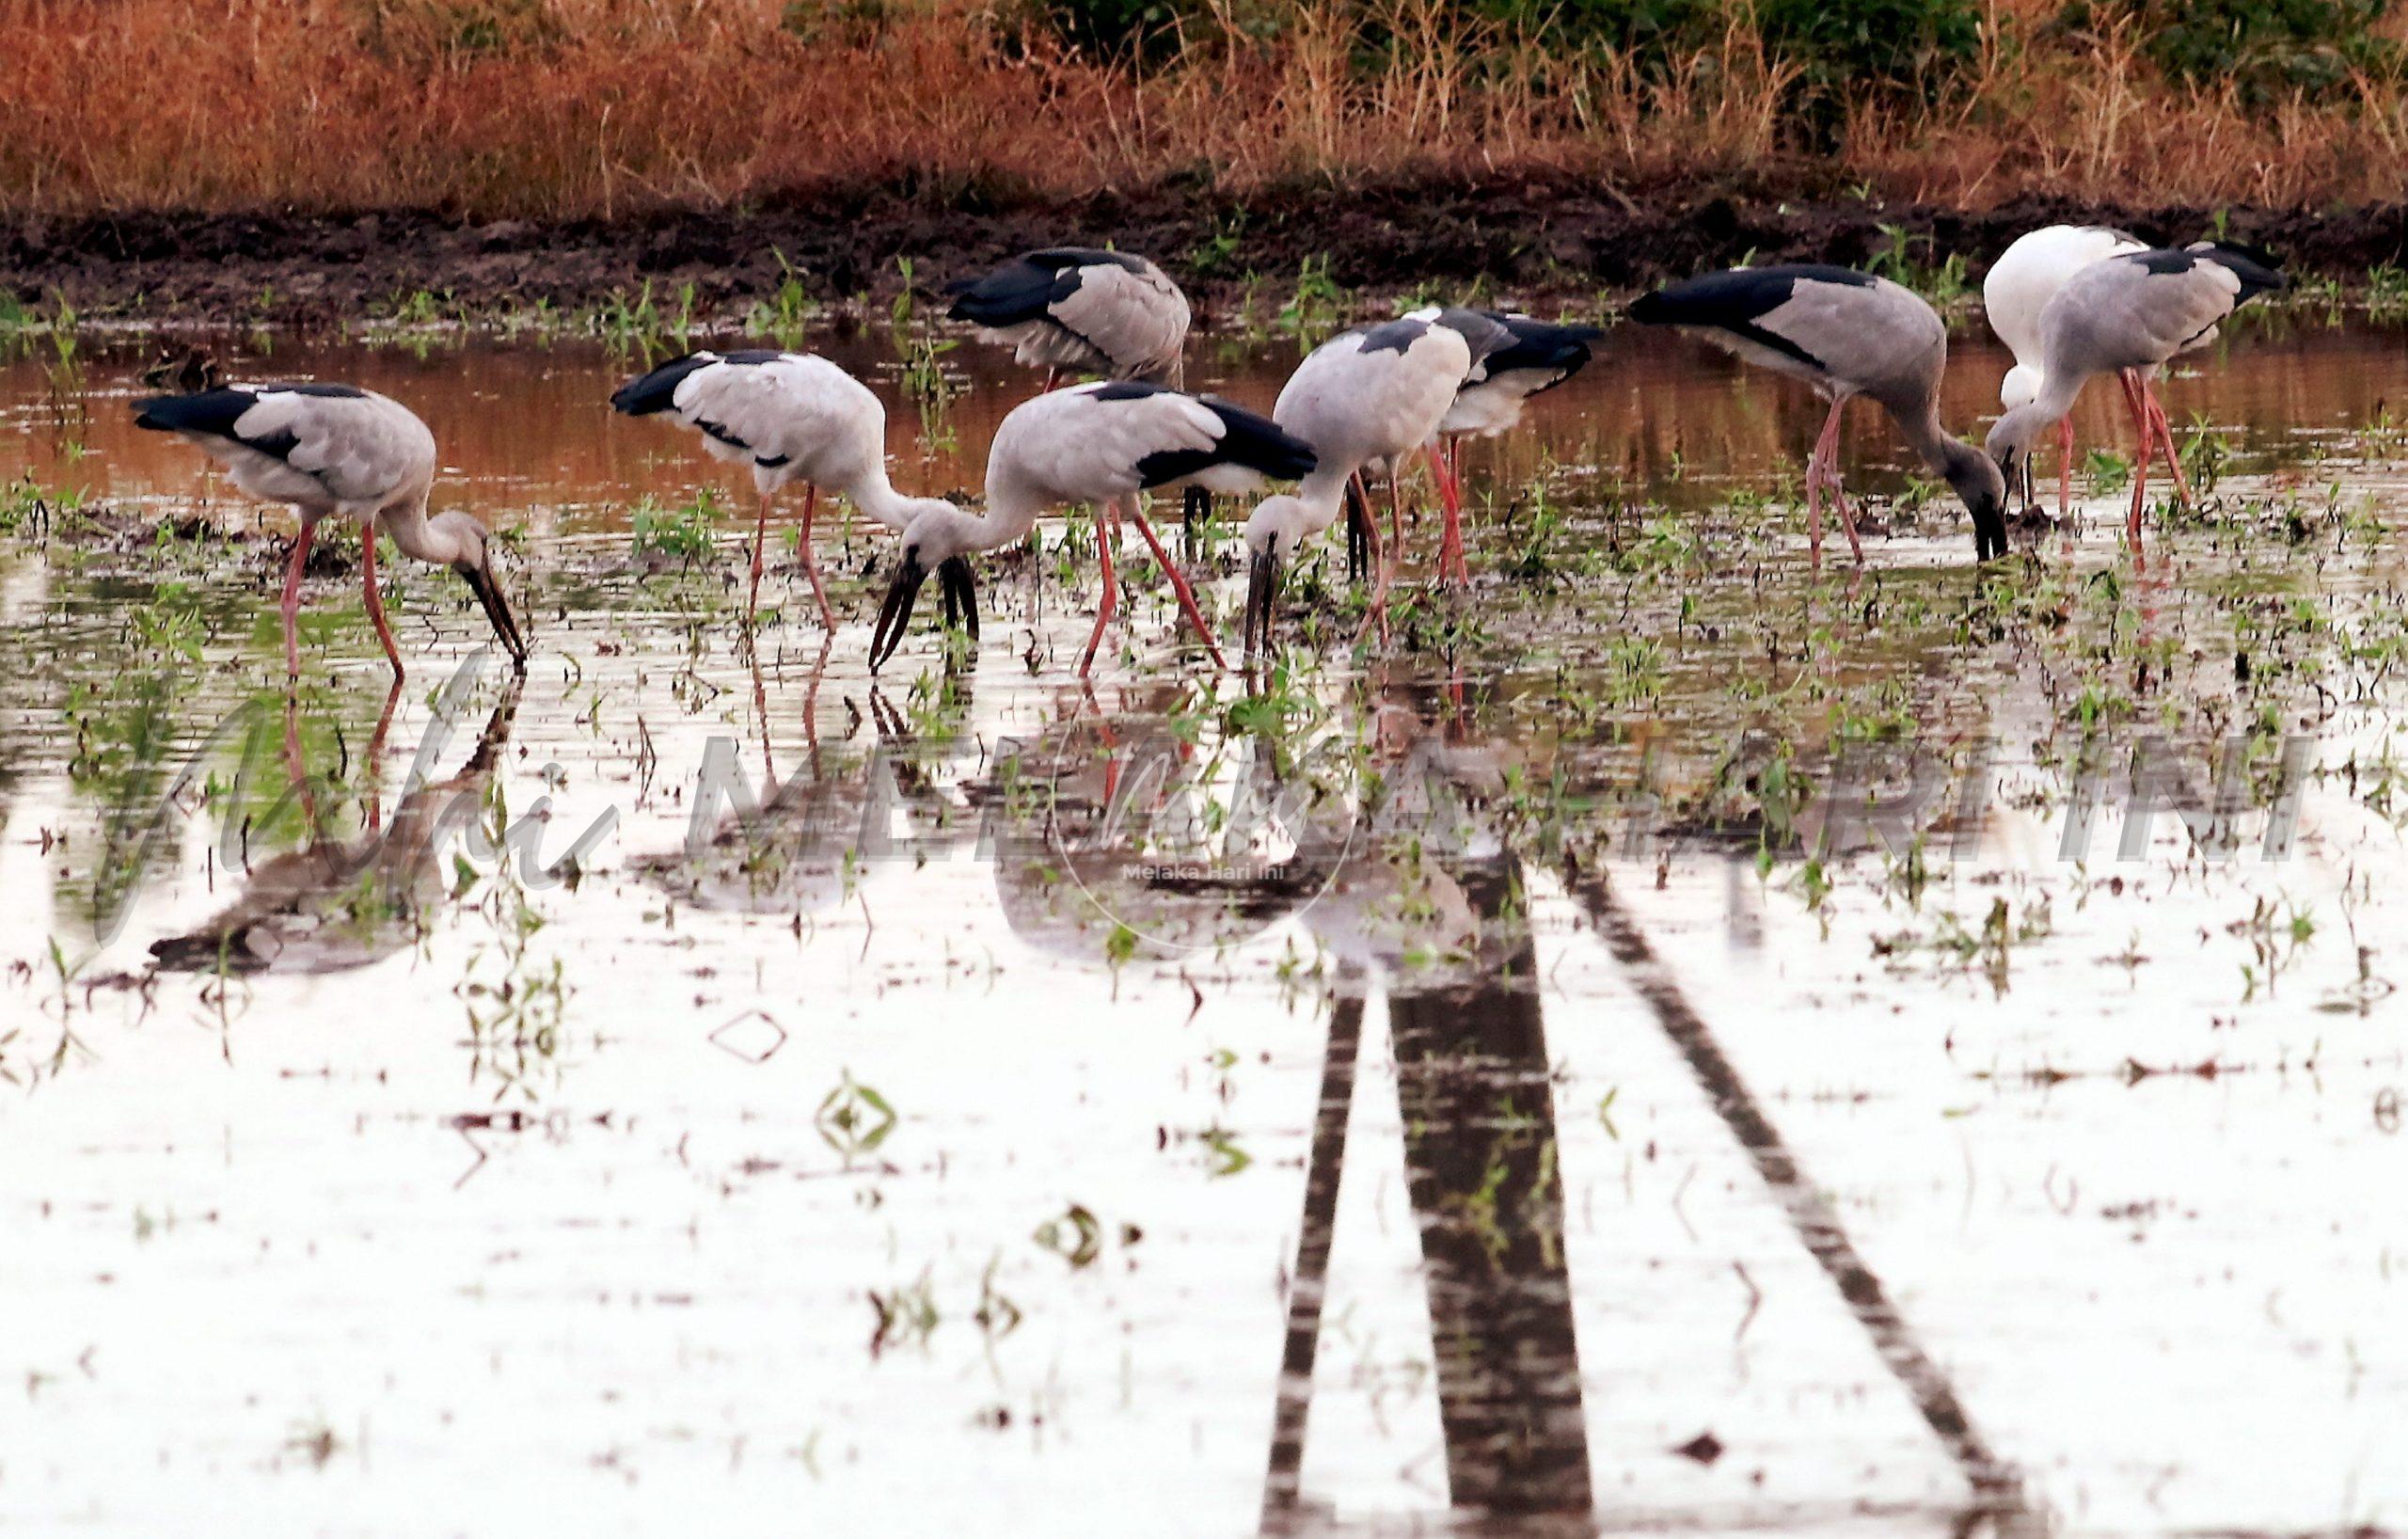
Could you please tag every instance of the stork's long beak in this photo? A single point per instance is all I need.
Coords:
(895, 612)
(1989, 530)
(960, 592)
(479, 578)
(1262, 596)
(954, 583)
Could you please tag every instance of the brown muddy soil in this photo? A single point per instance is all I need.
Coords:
(1530, 239)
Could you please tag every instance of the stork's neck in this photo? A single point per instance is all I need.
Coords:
(2059, 389)
(1012, 507)
(416, 536)
(1324, 492)
(2018, 429)
(1930, 438)
(875, 496)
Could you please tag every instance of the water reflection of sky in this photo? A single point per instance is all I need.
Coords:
(1494, 1162)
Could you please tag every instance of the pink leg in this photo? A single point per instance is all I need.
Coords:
(760, 533)
(1452, 535)
(1178, 583)
(2065, 466)
(811, 563)
(1455, 479)
(292, 596)
(1107, 529)
(1049, 376)
(2165, 440)
(1828, 449)
(1377, 614)
(2133, 398)
(1815, 503)
(376, 599)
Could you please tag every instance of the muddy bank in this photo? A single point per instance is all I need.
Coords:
(1534, 241)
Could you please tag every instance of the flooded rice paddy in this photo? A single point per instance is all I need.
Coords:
(1678, 1042)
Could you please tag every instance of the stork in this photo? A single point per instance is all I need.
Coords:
(792, 417)
(1844, 334)
(1363, 397)
(1099, 443)
(1536, 358)
(2019, 286)
(1072, 307)
(337, 451)
(2129, 316)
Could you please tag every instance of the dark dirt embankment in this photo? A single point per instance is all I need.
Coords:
(1532, 241)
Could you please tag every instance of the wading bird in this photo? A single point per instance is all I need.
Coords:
(1361, 398)
(1845, 334)
(791, 416)
(1537, 358)
(1102, 444)
(336, 451)
(1076, 309)
(2018, 287)
(2128, 316)
(1099, 313)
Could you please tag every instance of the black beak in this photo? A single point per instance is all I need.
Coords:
(1989, 530)
(895, 614)
(2026, 479)
(1358, 532)
(960, 592)
(1262, 596)
(480, 582)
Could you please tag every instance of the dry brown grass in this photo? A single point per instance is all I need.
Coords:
(568, 108)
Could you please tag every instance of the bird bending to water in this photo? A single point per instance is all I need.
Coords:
(1362, 397)
(2020, 285)
(792, 418)
(2128, 316)
(337, 451)
(1845, 334)
(1537, 358)
(1102, 444)
(1100, 312)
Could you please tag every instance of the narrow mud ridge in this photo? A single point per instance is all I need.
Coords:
(1531, 240)
(1997, 1484)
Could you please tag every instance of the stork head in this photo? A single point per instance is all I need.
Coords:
(467, 546)
(2009, 445)
(937, 539)
(1979, 483)
(1271, 534)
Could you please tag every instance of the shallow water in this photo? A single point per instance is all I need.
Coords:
(1680, 1041)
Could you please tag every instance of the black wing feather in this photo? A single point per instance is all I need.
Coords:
(658, 390)
(1022, 289)
(1735, 301)
(1541, 347)
(1248, 440)
(2260, 270)
(214, 414)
